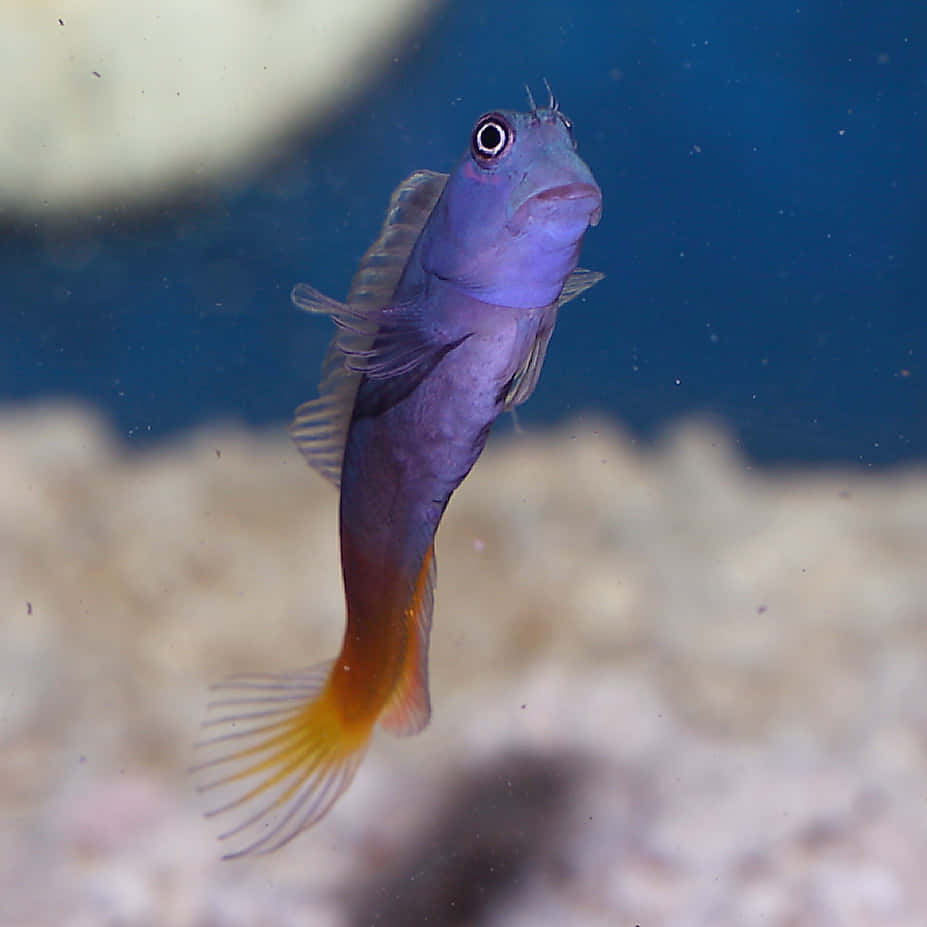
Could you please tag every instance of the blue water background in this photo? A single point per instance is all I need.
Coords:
(764, 233)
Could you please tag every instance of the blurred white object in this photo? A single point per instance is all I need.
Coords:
(114, 103)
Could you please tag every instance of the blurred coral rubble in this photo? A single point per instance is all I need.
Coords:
(669, 687)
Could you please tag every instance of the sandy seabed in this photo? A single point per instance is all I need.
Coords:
(668, 688)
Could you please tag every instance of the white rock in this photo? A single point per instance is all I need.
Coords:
(106, 102)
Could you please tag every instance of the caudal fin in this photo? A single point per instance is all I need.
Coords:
(279, 752)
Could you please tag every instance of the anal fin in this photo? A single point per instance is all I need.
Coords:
(409, 709)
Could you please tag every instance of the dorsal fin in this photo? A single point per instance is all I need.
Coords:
(382, 264)
(525, 380)
(320, 427)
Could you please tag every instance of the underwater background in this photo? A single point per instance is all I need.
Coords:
(680, 631)
(764, 191)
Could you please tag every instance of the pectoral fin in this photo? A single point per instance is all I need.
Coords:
(526, 378)
(577, 283)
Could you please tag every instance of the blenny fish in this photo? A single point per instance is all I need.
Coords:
(445, 327)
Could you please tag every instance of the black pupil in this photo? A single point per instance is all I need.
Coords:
(490, 138)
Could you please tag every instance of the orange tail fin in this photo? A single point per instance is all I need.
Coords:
(282, 748)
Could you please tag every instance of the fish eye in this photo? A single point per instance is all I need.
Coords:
(492, 137)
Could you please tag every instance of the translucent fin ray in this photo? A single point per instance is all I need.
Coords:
(288, 765)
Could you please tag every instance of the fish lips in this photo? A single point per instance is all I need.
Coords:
(578, 201)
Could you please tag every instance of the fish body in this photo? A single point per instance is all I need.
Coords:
(445, 326)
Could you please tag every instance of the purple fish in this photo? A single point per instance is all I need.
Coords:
(445, 327)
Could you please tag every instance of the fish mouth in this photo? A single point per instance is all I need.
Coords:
(578, 190)
(574, 192)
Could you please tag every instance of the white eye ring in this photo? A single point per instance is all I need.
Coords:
(491, 138)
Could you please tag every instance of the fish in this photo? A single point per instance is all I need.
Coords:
(445, 327)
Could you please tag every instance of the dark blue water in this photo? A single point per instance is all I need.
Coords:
(764, 235)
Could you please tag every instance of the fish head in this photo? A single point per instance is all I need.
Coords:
(509, 223)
